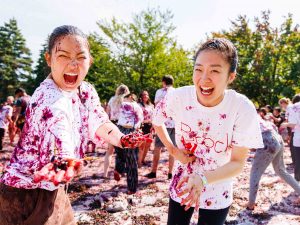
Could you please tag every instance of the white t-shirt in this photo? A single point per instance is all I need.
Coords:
(6, 110)
(294, 118)
(212, 131)
(114, 110)
(287, 113)
(159, 95)
(131, 114)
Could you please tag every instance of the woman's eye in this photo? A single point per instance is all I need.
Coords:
(82, 57)
(198, 70)
(62, 56)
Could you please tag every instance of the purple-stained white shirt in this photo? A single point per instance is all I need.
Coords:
(130, 115)
(114, 108)
(266, 125)
(159, 96)
(212, 132)
(147, 112)
(57, 123)
(294, 118)
(5, 111)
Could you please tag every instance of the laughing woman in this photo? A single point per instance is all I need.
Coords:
(214, 128)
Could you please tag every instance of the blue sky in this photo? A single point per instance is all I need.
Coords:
(192, 19)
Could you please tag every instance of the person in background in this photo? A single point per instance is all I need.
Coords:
(22, 100)
(11, 126)
(130, 120)
(272, 152)
(291, 127)
(167, 86)
(294, 123)
(113, 110)
(5, 119)
(148, 107)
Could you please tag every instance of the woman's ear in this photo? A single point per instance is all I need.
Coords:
(91, 59)
(48, 58)
(231, 77)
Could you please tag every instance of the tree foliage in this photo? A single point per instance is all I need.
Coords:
(144, 50)
(140, 52)
(269, 58)
(15, 59)
(41, 70)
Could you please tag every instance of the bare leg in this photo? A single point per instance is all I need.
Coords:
(156, 157)
(146, 149)
(108, 154)
(141, 153)
(171, 163)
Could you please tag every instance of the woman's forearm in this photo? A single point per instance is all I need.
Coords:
(230, 169)
(110, 133)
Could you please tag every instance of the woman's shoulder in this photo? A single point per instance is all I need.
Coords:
(239, 100)
(185, 91)
(46, 93)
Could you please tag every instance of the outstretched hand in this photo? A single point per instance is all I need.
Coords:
(58, 171)
(191, 184)
(135, 139)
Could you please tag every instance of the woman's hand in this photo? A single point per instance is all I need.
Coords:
(135, 139)
(58, 171)
(194, 186)
(181, 154)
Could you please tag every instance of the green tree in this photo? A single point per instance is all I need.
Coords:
(145, 50)
(268, 58)
(41, 70)
(104, 73)
(15, 59)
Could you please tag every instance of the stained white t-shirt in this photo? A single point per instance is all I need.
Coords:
(5, 112)
(114, 109)
(131, 114)
(57, 123)
(212, 131)
(159, 96)
(294, 118)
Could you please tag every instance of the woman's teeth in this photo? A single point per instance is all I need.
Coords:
(70, 78)
(206, 90)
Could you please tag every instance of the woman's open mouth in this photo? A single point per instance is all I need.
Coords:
(70, 78)
(206, 91)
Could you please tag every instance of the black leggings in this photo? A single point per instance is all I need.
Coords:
(178, 216)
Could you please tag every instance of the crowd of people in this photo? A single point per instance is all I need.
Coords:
(207, 129)
(12, 115)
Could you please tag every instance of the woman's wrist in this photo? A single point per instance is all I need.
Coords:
(203, 178)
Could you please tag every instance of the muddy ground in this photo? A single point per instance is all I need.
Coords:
(96, 200)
